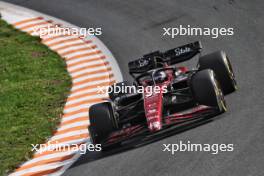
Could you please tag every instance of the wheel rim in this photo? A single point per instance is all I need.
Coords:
(230, 71)
(219, 95)
(222, 100)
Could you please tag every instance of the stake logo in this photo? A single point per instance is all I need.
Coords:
(180, 51)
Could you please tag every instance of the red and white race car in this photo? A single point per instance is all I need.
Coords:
(164, 95)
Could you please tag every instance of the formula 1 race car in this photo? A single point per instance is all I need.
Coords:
(178, 94)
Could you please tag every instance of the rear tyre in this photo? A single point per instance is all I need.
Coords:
(101, 122)
(207, 91)
(220, 64)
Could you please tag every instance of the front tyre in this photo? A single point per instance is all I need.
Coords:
(207, 91)
(101, 122)
(220, 64)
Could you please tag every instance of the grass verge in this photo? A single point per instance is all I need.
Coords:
(33, 88)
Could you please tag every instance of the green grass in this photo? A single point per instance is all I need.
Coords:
(34, 85)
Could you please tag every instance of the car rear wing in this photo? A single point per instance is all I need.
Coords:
(173, 56)
(182, 53)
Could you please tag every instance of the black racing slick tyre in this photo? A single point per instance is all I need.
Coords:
(101, 122)
(220, 64)
(207, 91)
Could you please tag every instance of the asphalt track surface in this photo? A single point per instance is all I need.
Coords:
(133, 28)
